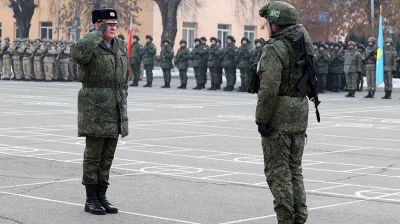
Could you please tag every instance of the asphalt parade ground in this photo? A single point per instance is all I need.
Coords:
(194, 157)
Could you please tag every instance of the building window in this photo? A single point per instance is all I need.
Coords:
(17, 31)
(250, 32)
(189, 33)
(223, 32)
(46, 30)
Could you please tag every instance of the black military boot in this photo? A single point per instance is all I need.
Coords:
(149, 84)
(180, 87)
(369, 95)
(198, 87)
(349, 94)
(213, 87)
(386, 96)
(101, 195)
(218, 86)
(228, 88)
(372, 93)
(92, 204)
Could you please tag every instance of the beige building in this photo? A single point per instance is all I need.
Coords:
(212, 18)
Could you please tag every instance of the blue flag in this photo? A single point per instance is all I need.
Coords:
(379, 54)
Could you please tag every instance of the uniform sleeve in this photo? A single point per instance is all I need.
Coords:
(82, 51)
(270, 70)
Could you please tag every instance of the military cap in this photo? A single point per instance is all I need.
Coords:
(246, 39)
(231, 38)
(214, 39)
(18, 39)
(182, 42)
(6, 38)
(389, 40)
(203, 39)
(197, 40)
(148, 37)
(136, 37)
(371, 39)
(258, 41)
(219, 41)
(105, 15)
(166, 41)
(280, 13)
(121, 37)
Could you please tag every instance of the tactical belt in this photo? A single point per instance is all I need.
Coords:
(103, 85)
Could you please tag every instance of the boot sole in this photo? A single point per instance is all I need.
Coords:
(111, 212)
(95, 213)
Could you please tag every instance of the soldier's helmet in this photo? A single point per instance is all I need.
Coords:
(203, 39)
(389, 40)
(7, 38)
(148, 37)
(372, 39)
(231, 38)
(166, 41)
(197, 40)
(256, 41)
(182, 42)
(279, 13)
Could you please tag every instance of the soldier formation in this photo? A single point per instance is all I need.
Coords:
(39, 60)
(342, 67)
(202, 58)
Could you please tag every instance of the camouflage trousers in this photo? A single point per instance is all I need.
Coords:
(230, 74)
(38, 69)
(64, 69)
(183, 76)
(336, 81)
(199, 76)
(7, 68)
(136, 72)
(97, 160)
(388, 78)
(27, 67)
(351, 80)
(48, 68)
(149, 73)
(1, 66)
(244, 77)
(17, 68)
(321, 84)
(282, 167)
(72, 69)
(215, 76)
(204, 74)
(167, 75)
(220, 72)
(371, 77)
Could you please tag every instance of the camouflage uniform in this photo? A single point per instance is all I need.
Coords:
(322, 60)
(229, 64)
(64, 57)
(149, 51)
(136, 50)
(214, 63)
(49, 59)
(390, 56)
(352, 66)
(204, 58)
(27, 62)
(166, 56)
(199, 61)
(38, 62)
(243, 61)
(370, 67)
(6, 60)
(17, 61)
(181, 62)
(282, 113)
(102, 105)
(336, 68)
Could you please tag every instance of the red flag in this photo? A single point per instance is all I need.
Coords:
(130, 45)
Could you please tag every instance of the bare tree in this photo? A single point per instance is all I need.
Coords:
(22, 12)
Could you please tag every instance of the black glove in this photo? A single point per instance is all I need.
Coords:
(102, 27)
(265, 130)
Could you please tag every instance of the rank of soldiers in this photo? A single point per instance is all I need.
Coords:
(39, 59)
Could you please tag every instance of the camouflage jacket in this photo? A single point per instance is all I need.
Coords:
(337, 62)
(256, 53)
(229, 55)
(390, 56)
(148, 53)
(181, 60)
(102, 105)
(322, 60)
(4, 51)
(136, 51)
(244, 56)
(199, 55)
(279, 103)
(352, 61)
(214, 56)
(166, 56)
